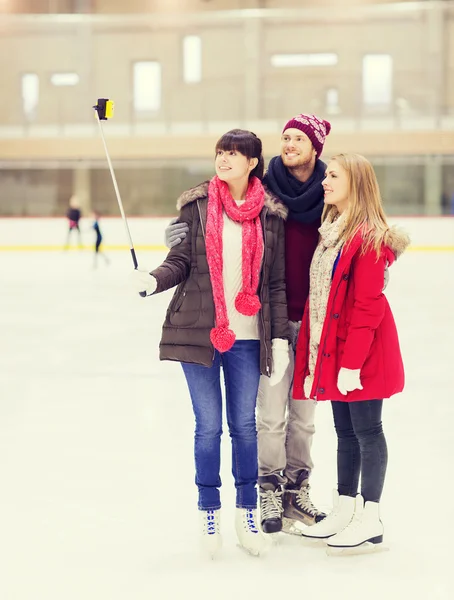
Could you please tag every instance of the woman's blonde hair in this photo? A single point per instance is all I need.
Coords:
(365, 210)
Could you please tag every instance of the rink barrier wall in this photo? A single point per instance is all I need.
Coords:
(428, 234)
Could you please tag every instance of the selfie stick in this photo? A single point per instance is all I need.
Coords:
(104, 110)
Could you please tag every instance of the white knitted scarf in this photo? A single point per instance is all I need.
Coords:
(321, 272)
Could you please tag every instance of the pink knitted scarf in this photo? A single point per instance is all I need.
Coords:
(248, 214)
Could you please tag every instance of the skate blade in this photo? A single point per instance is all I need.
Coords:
(292, 527)
(273, 538)
(296, 528)
(206, 555)
(256, 552)
(210, 555)
(366, 548)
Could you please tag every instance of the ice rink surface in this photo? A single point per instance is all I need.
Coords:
(97, 493)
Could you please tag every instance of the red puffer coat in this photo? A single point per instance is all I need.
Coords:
(359, 331)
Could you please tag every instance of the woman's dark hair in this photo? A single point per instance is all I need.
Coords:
(247, 143)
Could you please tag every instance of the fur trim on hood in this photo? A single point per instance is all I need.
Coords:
(397, 240)
(272, 202)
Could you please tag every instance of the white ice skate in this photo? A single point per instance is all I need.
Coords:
(363, 534)
(336, 521)
(211, 539)
(249, 535)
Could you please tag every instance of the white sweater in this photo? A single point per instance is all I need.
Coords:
(245, 328)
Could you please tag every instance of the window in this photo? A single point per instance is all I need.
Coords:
(192, 59)
(332, 101)
(30, 94)
(377, 79)
(147, 86)
(327, 59)
(60, 79)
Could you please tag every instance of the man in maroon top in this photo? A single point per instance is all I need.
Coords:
(286, 426)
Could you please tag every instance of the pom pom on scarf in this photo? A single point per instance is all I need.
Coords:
(222, 338)
(247, 304)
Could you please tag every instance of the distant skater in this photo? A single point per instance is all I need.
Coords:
(73, 215)
(98, 252)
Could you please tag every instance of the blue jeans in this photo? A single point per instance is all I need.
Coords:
(361, 448)
(241, 366)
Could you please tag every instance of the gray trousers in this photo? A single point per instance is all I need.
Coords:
(285, 428)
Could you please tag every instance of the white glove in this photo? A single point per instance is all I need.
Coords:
(175, 233)
(142, 281)
(348, 380)
(281, 360)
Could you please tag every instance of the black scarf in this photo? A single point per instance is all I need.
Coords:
(304, 200)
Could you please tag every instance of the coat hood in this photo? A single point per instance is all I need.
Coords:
(272, 202)
(397, 240)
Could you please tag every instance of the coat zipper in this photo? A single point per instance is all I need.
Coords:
(204, 239)
(268, 370)
(201, 221)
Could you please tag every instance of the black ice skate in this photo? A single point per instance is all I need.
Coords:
(270, 503)
(298, 506)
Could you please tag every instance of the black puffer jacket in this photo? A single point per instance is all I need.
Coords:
(190, 316)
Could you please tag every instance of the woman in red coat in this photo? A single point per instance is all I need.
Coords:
(348, 349)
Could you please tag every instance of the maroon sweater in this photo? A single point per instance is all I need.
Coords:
(300, 242)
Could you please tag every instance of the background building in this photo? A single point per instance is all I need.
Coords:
(183, 72)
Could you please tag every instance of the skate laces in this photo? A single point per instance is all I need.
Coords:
(271, 504)
(357, 521)
(209, 523)
(333, 514)
(250, 520)
(304, 500)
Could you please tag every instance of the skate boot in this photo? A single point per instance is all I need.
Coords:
(249, 536)
(336, 521)
(298, 506)
(363, 533)
(211, 540)
(270, 503)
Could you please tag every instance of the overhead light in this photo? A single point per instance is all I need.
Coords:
(64, 79)
(322, 59)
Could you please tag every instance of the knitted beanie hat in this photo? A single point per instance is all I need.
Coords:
(315, 129)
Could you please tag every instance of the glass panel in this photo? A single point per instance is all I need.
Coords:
(151, 187)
